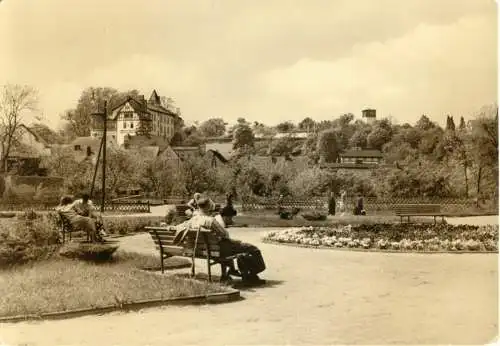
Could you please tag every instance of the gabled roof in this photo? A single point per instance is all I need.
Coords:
(160, 109)
(361, 153)
(218, 156)
(154, 98)
(224, 149)
(140, 108)
(34, 134)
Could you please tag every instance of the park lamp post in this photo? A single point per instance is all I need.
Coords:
(104, 116)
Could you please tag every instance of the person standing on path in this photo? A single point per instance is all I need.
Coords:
(331, 203)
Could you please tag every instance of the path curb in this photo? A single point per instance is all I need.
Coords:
(426, 252)
(216, 298)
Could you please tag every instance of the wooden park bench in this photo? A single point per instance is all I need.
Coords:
(408, 210)
(66, 227)
(196, 243)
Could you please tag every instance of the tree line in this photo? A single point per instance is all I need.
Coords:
(422, 159)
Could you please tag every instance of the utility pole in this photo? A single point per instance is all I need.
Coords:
(104, 145)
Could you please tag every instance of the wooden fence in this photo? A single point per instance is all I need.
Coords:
(272, 204)
(371, 204)
(119, 207)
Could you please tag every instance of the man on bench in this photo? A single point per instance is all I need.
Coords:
(85, 207)
(68, 210)
(249, 258)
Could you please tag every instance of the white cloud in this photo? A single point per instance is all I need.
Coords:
(433, 70)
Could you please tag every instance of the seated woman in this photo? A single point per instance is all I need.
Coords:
(193, 205)
(67, 209)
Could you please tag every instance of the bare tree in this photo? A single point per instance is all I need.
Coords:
(15, 100)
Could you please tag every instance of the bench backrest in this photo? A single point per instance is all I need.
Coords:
(417, 208)
(164, 237)
(65, 222)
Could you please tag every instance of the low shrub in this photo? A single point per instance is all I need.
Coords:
(25, 239)
(122, 225)
(314, 216)
(94, 252)
(401, 237)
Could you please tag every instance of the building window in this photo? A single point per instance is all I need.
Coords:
(77, 147)
(131, 125)
(128, 115)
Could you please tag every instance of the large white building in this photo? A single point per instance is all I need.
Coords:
(137, 117)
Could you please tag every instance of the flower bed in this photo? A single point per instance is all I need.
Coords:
(396, 237)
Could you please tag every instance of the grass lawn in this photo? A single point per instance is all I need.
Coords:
(61, 284)
(266, 219)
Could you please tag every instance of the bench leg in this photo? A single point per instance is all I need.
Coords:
(408, 218)
(192, 267)
(434, 219)
(209, 270)
(205, 236)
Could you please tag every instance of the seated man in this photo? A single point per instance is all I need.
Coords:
(67, 209)
(85, 207)
(250, 261)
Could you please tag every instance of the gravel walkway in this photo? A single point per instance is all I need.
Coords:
(313, 297)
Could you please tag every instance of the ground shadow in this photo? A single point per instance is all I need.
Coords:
(236, 283)
(240, 285)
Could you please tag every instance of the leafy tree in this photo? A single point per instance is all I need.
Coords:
(425, 124)
(161, 176)
(15, 101)
(286, 126)
(359, 137)
(450, 124)
(199, 175)
(121, 172)
(282, 147)
(178, 138)
(484, 146)
(462, 125)
(380, 134)
(214, 127)
(243, 138)
(92, 100)
(307, 124)
(327, 147)
(63, 163)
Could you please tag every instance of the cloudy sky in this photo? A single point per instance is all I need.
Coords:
(268, 61)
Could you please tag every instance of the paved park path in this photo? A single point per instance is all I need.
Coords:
(313, 297)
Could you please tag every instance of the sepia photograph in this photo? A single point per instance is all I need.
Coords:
(230, 172)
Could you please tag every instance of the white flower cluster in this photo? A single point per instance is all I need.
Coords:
(337, 238)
